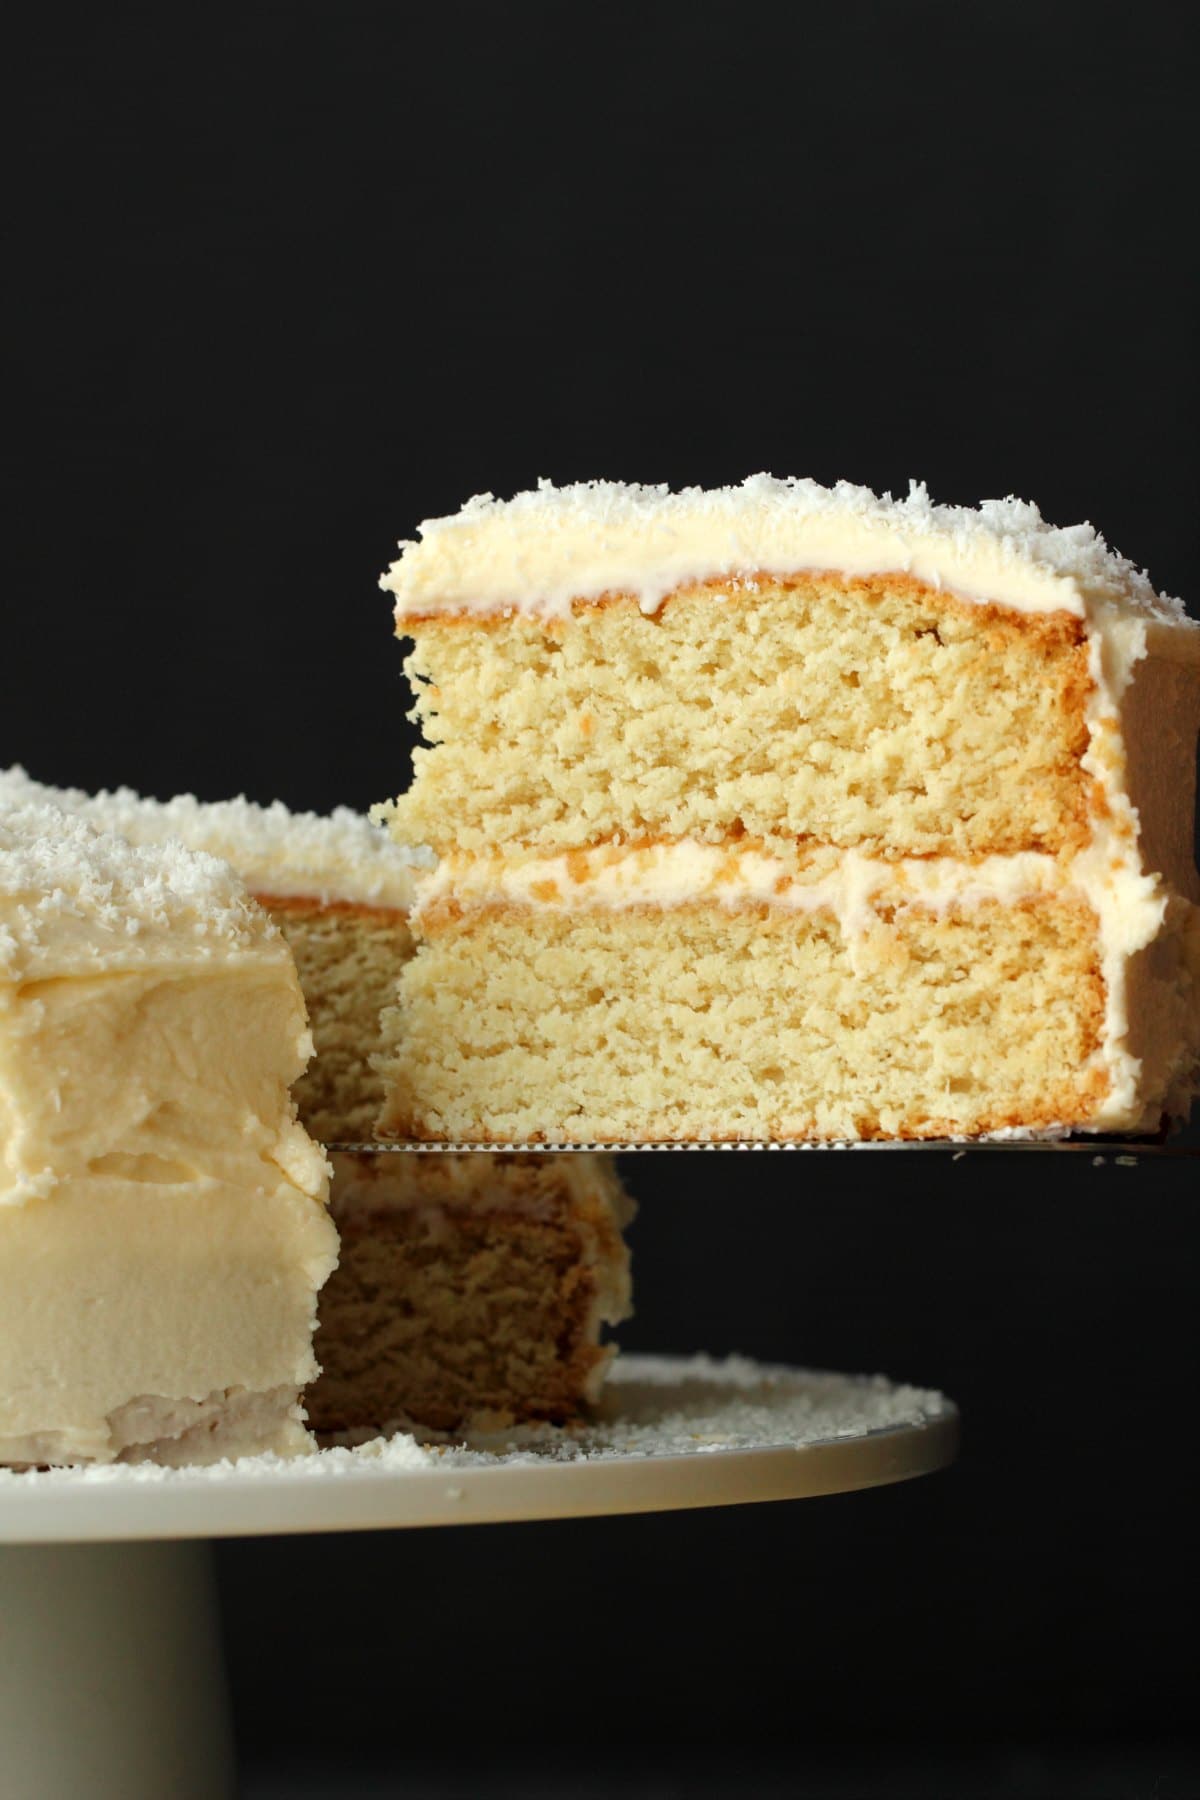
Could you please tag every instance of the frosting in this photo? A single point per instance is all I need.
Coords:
(72, 899)
(545, 548)
(163, 1231)
(682, 873)
(338, 857)
(127, 1306)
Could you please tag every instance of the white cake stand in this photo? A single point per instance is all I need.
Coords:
(111, 1682)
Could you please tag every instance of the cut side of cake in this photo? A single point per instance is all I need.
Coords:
(163, 1223)
(781, 812)
(469, 1289)
(472, 1291)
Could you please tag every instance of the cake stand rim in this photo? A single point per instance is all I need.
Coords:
(516, 1488)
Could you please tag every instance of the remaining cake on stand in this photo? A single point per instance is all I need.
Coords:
(470, 1291)
(338, 890)
(779, 812)
(163, 1228)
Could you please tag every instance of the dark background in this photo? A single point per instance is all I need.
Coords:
(286, 279)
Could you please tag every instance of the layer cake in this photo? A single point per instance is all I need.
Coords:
(784, 812)
(470, 1290)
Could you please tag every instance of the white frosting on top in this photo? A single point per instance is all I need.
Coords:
(74, 900)
(341, 856)
(541, 550)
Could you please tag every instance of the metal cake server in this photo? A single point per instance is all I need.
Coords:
(1123, 1150)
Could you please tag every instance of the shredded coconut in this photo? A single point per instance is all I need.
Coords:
(342, 856)
(654, 1406)
(550, 544)
(72, 898)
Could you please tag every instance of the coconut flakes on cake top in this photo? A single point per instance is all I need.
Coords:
(548, 546)
(338, 856)
(73, 899)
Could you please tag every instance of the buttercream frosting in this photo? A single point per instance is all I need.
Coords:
(339, 856)
(163, 1228)
(550, 546)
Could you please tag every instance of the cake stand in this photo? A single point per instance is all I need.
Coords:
(111, 1680)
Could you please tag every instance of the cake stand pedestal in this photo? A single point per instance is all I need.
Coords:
(111, 1679)
(111, 1676)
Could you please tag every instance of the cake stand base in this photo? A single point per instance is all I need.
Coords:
(111, 1678)
(111, 1685)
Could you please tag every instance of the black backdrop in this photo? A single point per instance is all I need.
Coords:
(289, 278)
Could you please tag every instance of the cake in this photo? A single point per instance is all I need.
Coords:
(471, 1289)
(163, 1227)
(779, 812)
(337, 889)
(471, 1293)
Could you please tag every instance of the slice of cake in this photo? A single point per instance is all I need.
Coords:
(469, 1289)
(791, 813)
(163, 1228)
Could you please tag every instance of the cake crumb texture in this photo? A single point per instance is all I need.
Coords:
(471, 1290)
(348, 958)
(700, 1022)
(871, 713)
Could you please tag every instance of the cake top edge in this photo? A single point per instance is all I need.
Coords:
(340, 856)
(550, 545)
(74, 897)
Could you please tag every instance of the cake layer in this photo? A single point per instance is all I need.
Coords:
(348, 957)
(471, 1291)
(708, 1022)
(873, 712)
